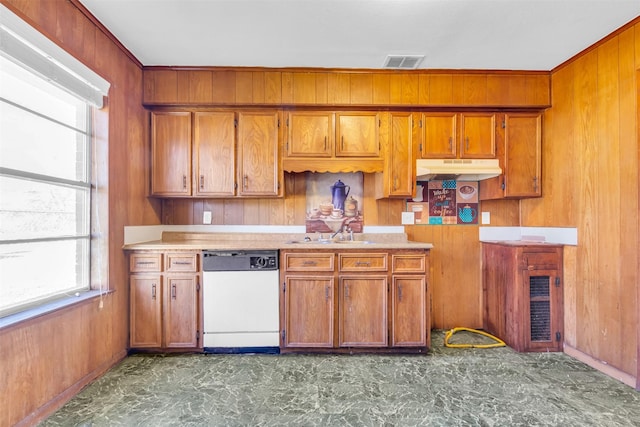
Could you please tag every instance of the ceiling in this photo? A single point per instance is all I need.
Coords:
(451, 34)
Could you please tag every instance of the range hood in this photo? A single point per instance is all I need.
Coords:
(457, 169)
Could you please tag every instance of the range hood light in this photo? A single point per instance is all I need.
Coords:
(457, 169)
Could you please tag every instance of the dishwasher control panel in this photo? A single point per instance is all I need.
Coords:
(239, 260)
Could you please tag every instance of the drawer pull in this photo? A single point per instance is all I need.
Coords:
(361, 263)
(309, 262)
(182, 262)
(145, 262)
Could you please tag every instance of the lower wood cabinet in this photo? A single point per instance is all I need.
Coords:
(354, 301)
(523, 297)
(164, 300)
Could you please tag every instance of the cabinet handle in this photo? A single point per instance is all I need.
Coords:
(342, 143)
(309, 262)
(535, 183)
(467, 141)
(395, 183)
(326, 293)
(450, 143)
(202, 182)
(246, 182)
(173, 291)
(153, 291)
(399, 292)
(346, 291)
(325, 143)
(184, 182)
(365, 263)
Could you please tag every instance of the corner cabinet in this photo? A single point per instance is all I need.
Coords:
(523, 296)
(349, 301)
(164, 301)
(519, 152)
(216, 154)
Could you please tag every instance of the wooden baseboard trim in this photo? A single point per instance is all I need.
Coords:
(601, 366)
(61, 399)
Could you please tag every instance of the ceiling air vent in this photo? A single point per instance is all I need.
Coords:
(403, 62)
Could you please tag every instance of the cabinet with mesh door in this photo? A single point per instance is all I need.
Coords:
(522, 293)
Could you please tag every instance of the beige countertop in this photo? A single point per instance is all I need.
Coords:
(265, 241)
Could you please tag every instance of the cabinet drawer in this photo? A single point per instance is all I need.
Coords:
(408, 263)
(541, 261)
(145, 262)
(362, 262)
(308, 262)
(181, 262)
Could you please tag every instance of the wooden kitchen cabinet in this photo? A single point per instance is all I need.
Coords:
(313, 134)
(458, 135)
(522, 294)
(164, 300)
(357, 314)
(362, 319)
(259, 171)
(307, 302)
(398, 177)
(520, 153)
(216, 154)
(214, 146)
(409, 300)
(170, 154)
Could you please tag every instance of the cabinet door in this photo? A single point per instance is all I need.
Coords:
(357, 134)
(478, 136)
(363, 311)
(439, 135)
(258, 140)
(308, 311)
(400, 159)
(214, 147)
(523, 142)
(310, 134)
(181, 311)
(408, 311)
(542, 311)
(171, 153)
(146, 311)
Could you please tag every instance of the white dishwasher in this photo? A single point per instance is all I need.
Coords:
(240, 301)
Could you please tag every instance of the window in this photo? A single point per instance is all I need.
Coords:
(45, 190)
(46, 206)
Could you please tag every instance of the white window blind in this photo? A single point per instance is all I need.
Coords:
(23, 44)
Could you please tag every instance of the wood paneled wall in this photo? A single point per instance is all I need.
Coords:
(215, 86)
(591, 181)
(47, 360)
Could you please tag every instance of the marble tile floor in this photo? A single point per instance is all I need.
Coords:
(447, 387)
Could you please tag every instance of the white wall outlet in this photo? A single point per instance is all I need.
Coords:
(486, 217)
(206, 218)
(408, 218)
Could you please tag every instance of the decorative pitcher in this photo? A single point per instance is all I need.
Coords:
(339, 192)
(467, 213)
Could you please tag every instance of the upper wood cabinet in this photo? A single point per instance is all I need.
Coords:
(398, 177)
(259, 170)
(310, 134)
(333, 134)
(458, 135)
(214, 146)
(216, 154)
(519, 151)
(171, 153)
